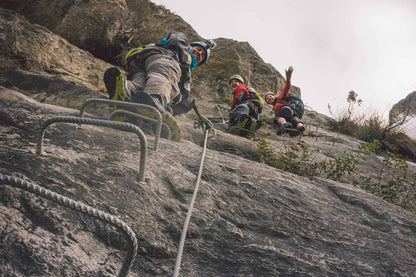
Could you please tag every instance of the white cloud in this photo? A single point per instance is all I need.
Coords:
(335, 46)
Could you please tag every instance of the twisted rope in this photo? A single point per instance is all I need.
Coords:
(123, 126)
(188, 215)
(81, 207)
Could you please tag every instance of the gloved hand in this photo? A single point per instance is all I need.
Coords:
(205, 123)
(184, 106)
(289, 72)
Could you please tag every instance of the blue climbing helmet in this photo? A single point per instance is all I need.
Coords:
(207, 45)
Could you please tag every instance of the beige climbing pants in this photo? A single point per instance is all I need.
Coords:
(156, 71)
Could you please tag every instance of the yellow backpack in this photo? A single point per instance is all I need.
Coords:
(256, 99)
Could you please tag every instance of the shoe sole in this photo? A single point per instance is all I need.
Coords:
(175, 130)
(281, 131)
(120, 118)
(146, 99)
(292, 132)
(301, 129)
(114, 83)
(253, 129)
(238, 128)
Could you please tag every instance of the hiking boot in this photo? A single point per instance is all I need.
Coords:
(295, 132)
(243, 123)
(236, 129)
(117, 89)
(147, 99)
(254, 127)
(300, 128)
(281, 129)
(116, 85)
(143, 97)
(183, 107)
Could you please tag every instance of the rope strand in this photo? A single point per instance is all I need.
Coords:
(188, 215)
(81, 207)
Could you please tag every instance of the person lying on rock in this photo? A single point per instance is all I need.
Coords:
(245, 108)
(287, 107)
(160, 74)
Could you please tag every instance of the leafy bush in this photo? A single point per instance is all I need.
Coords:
(335, 169)
(343, 125)
(296, 159)
(371, 129)
(393, 183)
(374, 127)
(345, 121)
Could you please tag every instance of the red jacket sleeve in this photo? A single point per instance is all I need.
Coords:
(285, 90)
(236, 93)
(282, 95)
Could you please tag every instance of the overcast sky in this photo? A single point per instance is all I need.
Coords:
(335, 46)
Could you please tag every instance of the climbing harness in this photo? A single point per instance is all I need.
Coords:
(133, 52)
(81, 207)
(295, 103)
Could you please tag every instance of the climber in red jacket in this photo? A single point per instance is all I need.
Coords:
(244, 114)
(287, 107)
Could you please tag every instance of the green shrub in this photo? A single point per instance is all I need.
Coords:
(296, 159)
(343, 125)
(345, 121)
(371, 129)
(374, 127)
(392, 184)
(337, 168)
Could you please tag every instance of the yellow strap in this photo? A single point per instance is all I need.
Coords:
(133, 52)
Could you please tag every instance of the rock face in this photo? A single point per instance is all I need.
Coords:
(406, 106)
(108, 29)
(249, 219)
(45, 65)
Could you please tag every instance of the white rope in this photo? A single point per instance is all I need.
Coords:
(188, 216)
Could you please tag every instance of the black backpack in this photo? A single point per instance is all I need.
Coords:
(295, 103)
